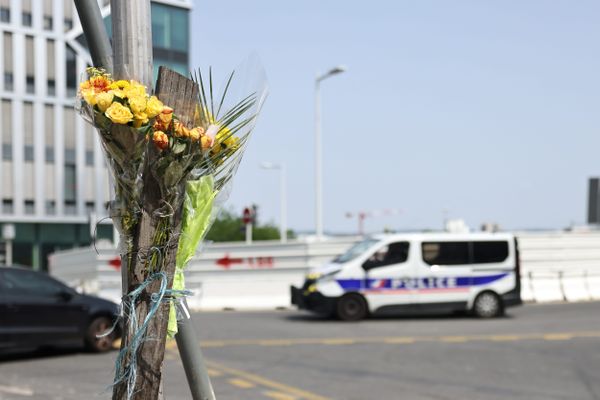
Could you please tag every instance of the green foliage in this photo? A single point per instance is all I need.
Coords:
(229, 227)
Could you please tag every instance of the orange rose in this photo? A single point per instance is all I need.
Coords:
(163, 120)
(180, 129)
(196, 133)
(160, 139)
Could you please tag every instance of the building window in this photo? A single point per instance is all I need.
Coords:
(26, 18)
(68, 24)
(7, 206)
(8, 81)
(30, 84)
(4, 14)
(7, 151)
(50, 207)
(89, 207)
(29, 207)
(71, 72)
(51, 87)
(47, 23)
(49, 155)
(70, 183)
(29, 153)
(89, 158)
(169, 27)
(70, 208)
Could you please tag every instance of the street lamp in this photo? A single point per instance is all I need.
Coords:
(283, 206)
(318, 153)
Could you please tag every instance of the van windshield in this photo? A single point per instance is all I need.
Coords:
(354, 251)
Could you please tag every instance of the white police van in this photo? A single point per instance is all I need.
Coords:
(477, 272)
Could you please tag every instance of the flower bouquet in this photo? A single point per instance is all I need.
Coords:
(172, 156)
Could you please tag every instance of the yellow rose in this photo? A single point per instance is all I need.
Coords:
(206, 142)
(160, 139)
(154, 107)
(118, 93)
(104, 100)
(135, 89)
(119, 114)
(196, 133)
(120, 84)
(137, 104)
(89, 95)
(139, 119)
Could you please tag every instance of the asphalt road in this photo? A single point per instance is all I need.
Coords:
(541, 352)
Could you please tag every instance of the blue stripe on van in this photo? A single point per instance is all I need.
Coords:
(418, 283)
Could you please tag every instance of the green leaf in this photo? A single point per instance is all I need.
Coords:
(178, 147)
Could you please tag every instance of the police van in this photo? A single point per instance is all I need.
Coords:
(476, 272)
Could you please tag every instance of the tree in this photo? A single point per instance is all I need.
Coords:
(229, 227)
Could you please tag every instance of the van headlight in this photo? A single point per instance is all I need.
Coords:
(313, 276)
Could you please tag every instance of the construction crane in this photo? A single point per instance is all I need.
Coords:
(362, 215)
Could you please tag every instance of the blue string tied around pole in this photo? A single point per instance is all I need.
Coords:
(126, 363)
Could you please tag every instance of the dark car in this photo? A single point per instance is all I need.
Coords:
(39, 311)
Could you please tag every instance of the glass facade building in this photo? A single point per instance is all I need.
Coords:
(54, 185)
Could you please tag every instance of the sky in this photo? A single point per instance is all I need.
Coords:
(480, 110)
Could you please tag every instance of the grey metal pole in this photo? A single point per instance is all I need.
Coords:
(95, 33)
(318, 166)
(132, 40)
(191, 356)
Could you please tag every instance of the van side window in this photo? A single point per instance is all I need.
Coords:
(490, 252)
(445, 253)
(393, 253)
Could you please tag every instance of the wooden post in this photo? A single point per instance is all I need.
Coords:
(175, 89)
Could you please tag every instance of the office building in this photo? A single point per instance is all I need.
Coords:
(54, 184)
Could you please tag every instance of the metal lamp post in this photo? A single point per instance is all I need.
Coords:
(318, 152)
(283, 203)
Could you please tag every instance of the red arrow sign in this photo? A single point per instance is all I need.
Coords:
(226, 262)
(115, 263)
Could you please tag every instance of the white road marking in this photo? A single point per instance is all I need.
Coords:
(22, 391)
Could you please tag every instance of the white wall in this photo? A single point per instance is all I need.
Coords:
(262, 273)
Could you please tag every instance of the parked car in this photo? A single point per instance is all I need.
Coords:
(36, 311)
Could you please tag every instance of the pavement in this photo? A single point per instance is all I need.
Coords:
(540, 352)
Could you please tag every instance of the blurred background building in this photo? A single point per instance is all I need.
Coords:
(53, 181)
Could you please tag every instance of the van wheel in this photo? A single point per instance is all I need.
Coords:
(99, 326)
(488, 305)
(351, 307)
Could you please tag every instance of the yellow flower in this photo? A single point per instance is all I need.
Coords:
(118, 93)
(139, 119)
(100, 83)
(154, 107)
(119, 114)
(206, 142)
(134, 89)
(137, 104)
(120, 84)
(89, 95)
(160, 139)
(225, 143)
(196, 133)
(103, 100)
